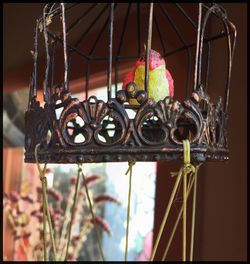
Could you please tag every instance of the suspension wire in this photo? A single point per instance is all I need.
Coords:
(193, 215)
(92, 212)
(180, 213)
(185, 169)
(186, 147)
(111, 21)
(45, 203)
(131, 164)
(44, 231)
(166, 214)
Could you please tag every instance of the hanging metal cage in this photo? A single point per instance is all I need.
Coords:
(179, 32)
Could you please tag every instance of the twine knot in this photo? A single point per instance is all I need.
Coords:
(130, 164)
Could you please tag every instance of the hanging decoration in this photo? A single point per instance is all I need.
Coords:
(162, 128)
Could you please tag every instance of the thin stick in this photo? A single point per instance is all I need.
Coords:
(72, 215)
(65, 224)
(184, 222)
(44, 234)
(128, 209)
(179, 216)
(186, 152)
(193, 218)
(66, 88)
(166, 214)
(148, 48)
(111, 21)
(92, 213)
(197, 48)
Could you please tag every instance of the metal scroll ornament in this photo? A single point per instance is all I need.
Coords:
(108, 134)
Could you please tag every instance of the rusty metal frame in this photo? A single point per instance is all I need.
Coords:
(158, 128)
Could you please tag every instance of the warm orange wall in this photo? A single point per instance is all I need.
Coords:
(12, 170)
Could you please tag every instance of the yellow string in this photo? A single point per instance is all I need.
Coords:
(166, 214)
(186, 150)
(128, 208)
(44, 233)
(181, 212)
(184, 170)
(72, 214)
(45, 204)
(92, 213)
(193, 217)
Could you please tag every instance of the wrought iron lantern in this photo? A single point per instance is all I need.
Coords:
(158, 128)
(117, 130)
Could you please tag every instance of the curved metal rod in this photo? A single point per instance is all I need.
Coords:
(57, 10)
(124, 58)
(33, 84)
(87, 80)
(71, 48)
(111, 22)
(171, 22)
(231, 49)
(159, 33)
(208, 66)
(66, 81)
(54, 44)
(189, 70)
(138, 30)
(186, 15)
(210, 10)
(123, 30)
(148, 48)
(213, 10)
(79, 18)
(197, 48)
(100, 34)
(45, 91)
(90, 26)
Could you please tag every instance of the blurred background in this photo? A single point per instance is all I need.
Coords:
(221, 224)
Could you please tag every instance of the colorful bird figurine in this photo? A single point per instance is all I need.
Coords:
(160, 84)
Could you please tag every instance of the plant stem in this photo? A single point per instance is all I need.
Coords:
(128, 210)
(92, 213)
(72, 214)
